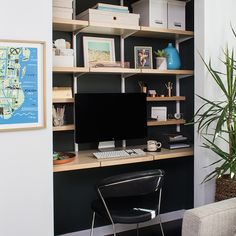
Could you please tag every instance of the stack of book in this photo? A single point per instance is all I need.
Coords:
(63, 9)
(110, 7)
(175, 141)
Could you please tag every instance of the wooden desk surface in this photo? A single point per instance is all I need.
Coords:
(86, 160)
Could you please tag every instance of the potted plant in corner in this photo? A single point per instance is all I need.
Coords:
(216, 123)
(161, 62)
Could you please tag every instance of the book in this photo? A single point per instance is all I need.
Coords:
(61, 12)
(111, 6)
(63, 4)
(178, 145)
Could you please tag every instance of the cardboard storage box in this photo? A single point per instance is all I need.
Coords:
(63, 61)
(111, 18)
(61, 12)
(176, 15)
(153, 13)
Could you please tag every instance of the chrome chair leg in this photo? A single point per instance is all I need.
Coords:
(137, 230)
(91, 232)
(114, 229)
(162, 232)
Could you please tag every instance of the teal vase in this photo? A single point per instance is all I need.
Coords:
(173, 58)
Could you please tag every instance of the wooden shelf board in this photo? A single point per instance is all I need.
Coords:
(124, 161)
(64, 128)
(86, 160)
(60, 24)
(167, 154)
(167, 72)
(114, 70)
(63, 100)
(110, 29)
(70, 69)
(173, 98)
(154, 32)
(168, 122)
(83, 160)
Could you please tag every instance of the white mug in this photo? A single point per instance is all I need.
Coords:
(153, 145)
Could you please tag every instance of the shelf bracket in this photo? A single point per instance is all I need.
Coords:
(128, 75)
(182, 76)
(126, 35)
(79, 74)
(181, 40)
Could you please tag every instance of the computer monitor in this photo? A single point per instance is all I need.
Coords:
(110, 116)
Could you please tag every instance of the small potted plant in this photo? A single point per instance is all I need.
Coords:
(161, 62)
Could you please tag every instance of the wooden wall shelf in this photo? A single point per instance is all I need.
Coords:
(86, 160)
(162, 99)
(60, 24)
(63, 100)
(70, 69)
(167, 72)
(64, 128)
(168, 122)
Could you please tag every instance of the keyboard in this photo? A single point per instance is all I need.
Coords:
(120, 154)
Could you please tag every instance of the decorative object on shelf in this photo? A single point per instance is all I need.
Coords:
(98, 50)
(169, 87)
(117, 64)
(161, 59)
(143, 87)
(152, 93)
(153, 146)
(111, 7)
(22, 82)
(173, 59)
(58, 115)
(143, 57)
(220, 116)
(178, 116)
(159, 113)
(63, 55)
(61, 92)
(62, 157)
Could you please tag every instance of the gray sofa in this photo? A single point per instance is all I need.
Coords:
(216, 219)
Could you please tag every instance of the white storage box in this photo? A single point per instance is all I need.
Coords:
(63, 61)
(61, 12)
(111, 18)
(176, 15)
(153, 13)
(63, 3)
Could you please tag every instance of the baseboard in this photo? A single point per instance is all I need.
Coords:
(106, 230)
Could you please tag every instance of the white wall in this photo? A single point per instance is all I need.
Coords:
(212, 33)
(26, 190)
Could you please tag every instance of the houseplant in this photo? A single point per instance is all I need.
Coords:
(216, 123)
(161, 62)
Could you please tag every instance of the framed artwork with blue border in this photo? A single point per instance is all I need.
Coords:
(22, 85)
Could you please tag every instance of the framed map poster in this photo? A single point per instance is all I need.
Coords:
(22, 85)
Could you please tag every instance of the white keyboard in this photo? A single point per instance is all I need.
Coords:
(120, 154)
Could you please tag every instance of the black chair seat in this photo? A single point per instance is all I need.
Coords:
(127, 210)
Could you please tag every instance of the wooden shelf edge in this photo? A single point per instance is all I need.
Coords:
(70, 69)
(115, 70)
(173, 98)
(63, 128)
(68, 25)
(167, 72)
(63, 100)
(168, 122)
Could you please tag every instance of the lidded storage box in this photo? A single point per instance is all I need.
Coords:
(109, 17)
(153, 13)
(176, 15)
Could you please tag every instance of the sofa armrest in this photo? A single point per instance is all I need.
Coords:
(216, 219)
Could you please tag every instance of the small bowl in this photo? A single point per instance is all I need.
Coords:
(66, 158)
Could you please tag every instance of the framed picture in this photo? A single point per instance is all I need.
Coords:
(98, 50)
(143, 57)
(22, 85)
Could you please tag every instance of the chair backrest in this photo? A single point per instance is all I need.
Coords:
(131, 184)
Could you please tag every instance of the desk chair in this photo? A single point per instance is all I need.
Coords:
(129, 198)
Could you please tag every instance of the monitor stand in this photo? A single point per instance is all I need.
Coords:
(106, 146)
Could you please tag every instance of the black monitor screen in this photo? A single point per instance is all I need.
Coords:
(110, 116)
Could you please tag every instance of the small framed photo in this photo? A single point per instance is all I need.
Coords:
(98, 50)
(143, 57)
(22, 85)
(159, 113)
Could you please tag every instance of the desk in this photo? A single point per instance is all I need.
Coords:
(86, 160)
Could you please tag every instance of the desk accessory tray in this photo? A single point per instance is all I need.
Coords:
(62, 157)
